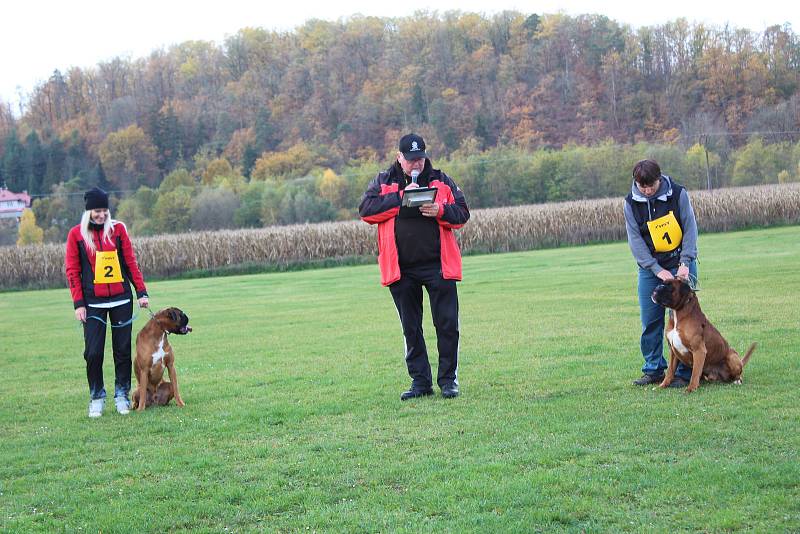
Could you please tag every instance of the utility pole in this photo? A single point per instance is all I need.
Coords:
(703, 140)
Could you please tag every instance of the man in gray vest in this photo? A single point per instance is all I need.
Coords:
(662, 234)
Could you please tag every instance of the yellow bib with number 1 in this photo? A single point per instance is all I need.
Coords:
(106, 268)
(665, 232)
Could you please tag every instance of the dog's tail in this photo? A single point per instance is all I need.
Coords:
(748, 354)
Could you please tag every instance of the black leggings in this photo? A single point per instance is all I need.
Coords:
(94, 336)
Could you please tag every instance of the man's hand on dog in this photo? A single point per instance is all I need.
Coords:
(683, 273)
(664, 275)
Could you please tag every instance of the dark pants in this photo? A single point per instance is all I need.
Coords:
(407, 295)
(94, 336)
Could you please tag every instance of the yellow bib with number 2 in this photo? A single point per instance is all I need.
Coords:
(665, 232)
(106, 268)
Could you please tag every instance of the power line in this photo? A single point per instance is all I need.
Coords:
(734, 134)
(79, 193)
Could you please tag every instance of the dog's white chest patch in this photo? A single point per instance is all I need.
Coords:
(676, 342)
(158, 355)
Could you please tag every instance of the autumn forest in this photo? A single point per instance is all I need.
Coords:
(284, 127)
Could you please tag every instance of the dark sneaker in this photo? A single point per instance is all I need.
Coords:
(413, 393)
(450, 391)
(678, 382)
(646, 380)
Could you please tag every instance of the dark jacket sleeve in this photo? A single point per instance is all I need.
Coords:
(456, 213)
(644, 258)
(72, 265)
(376, 207)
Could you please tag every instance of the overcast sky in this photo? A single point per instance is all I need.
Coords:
(39, 36)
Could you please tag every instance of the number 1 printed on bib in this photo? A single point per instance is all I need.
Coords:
(665, 232)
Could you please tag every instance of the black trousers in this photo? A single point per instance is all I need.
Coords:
(94, 337)
(407, 295)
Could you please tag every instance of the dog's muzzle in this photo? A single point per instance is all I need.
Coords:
(658, 295)
(184, 327)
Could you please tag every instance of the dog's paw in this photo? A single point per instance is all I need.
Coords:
(738, 382)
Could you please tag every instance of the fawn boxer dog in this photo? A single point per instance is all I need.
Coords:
(153, 355)
(694, 340)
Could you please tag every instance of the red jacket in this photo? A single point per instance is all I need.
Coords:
(80, 263)
(381, 204)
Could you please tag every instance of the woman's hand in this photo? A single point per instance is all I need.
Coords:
(80, 314)
(143, 302)
(683, 272)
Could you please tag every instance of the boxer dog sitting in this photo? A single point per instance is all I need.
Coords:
(694, 340)
(153, 355)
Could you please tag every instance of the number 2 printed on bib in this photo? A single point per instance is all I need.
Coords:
(106, 267)
(665, 232)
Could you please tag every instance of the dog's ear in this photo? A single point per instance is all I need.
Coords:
(173, 315)
(684, 289)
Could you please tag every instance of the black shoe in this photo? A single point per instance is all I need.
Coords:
(450, 391)
(678, 382)
(648, 379)
(413, 393)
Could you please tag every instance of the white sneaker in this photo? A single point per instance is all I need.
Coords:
(96, 407)
(123, 406)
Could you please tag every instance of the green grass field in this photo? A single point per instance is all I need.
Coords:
(293, 420)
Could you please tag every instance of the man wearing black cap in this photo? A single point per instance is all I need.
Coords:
(416, 248)
(100, 266)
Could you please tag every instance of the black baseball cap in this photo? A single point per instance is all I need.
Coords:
(412, 146)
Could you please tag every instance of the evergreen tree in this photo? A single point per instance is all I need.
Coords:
(249, 157)
(164, 131)
(2, 174)
(35, 163)
(96, 177)
(78, 161)
(14, 163)
(56, 165)
(266, 136)
(482, 129)
(419, 108)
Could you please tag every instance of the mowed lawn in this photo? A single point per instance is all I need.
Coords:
(293, 420)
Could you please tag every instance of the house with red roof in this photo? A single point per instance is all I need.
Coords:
(13, 204)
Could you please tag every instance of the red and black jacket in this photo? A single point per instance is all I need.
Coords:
(80, 262)
(381, 205)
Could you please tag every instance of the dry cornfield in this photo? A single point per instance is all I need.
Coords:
(489, 230)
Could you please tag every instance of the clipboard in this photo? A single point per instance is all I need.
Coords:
(413, 198)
